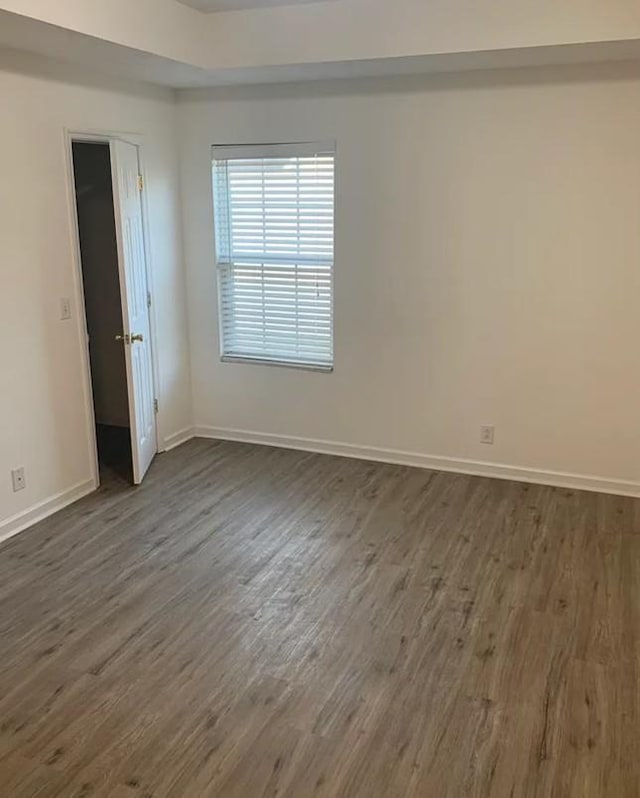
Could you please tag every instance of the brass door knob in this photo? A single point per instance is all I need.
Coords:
(137, 337)
(123, 338)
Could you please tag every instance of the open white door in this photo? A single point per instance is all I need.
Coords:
(136, 336)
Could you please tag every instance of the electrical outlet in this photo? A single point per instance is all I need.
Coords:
(18, 479)
(487, 434)
(65, 308)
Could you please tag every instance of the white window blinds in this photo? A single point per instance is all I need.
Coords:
(274, 222)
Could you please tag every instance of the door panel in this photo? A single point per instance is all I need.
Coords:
(135, 310)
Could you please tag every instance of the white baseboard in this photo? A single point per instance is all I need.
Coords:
(178, 438)
(26, 518)
(434, 462)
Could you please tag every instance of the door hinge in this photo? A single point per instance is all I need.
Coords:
(148, 299)
(140, 182)
(155, 405)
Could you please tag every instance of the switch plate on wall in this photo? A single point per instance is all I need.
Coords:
(487, 434)
(18, 479)
(65, 308)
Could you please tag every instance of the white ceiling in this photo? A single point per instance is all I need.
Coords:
(72, 49)
(177, 55)
(237, 5)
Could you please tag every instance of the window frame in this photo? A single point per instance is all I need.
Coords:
(272, 150)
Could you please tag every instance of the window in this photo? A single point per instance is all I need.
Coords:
(273, 207)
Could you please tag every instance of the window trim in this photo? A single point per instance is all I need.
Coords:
(269, 361)
(273, 150)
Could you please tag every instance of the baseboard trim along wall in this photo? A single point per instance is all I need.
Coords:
(178, 438)
(479, 468)
(26, 518)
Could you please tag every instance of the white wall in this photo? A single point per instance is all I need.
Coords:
(488, 242)
(43, 425)
(487, 269)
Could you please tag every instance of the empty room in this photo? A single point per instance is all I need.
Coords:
(320, 399)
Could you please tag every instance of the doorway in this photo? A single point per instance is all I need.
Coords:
(116, 299)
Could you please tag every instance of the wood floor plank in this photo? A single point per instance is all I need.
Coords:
(259, 622)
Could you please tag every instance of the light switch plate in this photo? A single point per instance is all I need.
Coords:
(487, 434)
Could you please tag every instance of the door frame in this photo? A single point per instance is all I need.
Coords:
(71, 136)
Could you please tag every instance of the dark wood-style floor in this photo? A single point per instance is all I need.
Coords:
(258, 622)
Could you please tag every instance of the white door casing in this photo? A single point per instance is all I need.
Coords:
(135, 308)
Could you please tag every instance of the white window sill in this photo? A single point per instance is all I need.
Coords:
(258, 361)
